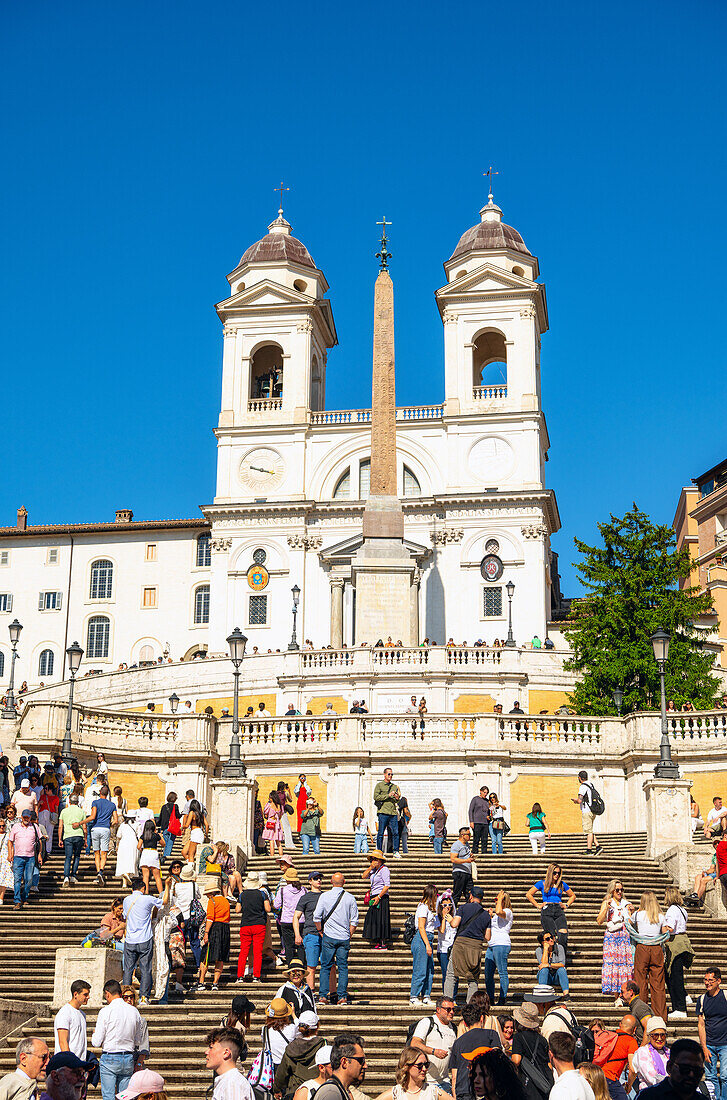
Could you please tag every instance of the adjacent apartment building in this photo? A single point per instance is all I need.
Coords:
(701, 523)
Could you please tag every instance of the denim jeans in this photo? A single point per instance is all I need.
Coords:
(139, 953)
(72, 846)
(717, 1074)
(390, 821)
(23, 867)
(169, 839)
(549, 977)
(422, 972)
(497, 957)
(116, 1072)
(438, 845)
(496, 838)
(309, 842)
(334, 951)
(360, 843)
(191, 936)
(403, 838)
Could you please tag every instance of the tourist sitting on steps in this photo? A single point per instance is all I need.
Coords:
(550, 957)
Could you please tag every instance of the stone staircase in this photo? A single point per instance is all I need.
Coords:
(379, 983)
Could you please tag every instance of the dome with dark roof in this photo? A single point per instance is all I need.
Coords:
(278, 244)
(490, 234)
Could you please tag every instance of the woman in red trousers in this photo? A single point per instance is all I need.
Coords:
(253, 908)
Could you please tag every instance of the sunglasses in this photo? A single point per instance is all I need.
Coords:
(355, 1058)
(421, 1065)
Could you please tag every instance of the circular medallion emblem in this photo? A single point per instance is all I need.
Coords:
(258, 577)
(491, 567)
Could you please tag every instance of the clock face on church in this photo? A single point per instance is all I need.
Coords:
(262, 469)
(491, 460)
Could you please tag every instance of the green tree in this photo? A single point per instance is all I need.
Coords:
(632, 585)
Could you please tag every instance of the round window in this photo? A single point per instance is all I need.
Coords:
(259, 557)
(492, 546)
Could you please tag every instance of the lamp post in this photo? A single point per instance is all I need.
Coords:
(14, 631)
(234, 767)
(74, 653)
(293, 644)
(173, 702)
(510, 589)
(666, 768)
(618, 699)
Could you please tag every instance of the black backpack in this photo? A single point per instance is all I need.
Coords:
(410, 928)
(585, 1039)
(412, 1028)
(596, 804)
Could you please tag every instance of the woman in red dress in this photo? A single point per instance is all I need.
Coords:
(302, 790)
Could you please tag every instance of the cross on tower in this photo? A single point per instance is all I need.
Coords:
(488, 175)
(281, 188)
(383, 255)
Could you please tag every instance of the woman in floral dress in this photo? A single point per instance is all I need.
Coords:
(273, 831)
(618, 960)
(6, 870)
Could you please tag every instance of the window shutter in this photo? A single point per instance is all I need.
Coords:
(9, 606)
(59, 600)
(41, 601)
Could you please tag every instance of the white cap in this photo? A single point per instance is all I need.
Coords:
(655, 1023)
(323, 1056)
(25, 782)
(309, 1019)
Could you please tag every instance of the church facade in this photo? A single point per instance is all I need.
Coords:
(293, 478)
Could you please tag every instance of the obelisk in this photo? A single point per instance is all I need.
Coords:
(382, 569)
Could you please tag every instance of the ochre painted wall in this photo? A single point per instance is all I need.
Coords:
(268, 783)
(554, 794)
(705, 785)
(318, 704)
(546, 700)
(245, 701)
(474, 704)
(137, 784)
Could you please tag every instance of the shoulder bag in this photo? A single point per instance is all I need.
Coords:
(529, 1072)
(332, 910)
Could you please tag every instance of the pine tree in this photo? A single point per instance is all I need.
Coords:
(632, 589)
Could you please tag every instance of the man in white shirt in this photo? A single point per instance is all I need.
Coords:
(715, 824)
(585, 795)
(569, 1083)
(120, 1033)
(223, 1049)
(139, 937)
(434, 1036)
(69, 1026)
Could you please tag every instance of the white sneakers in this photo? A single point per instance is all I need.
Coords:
(415, 1002)
(66, 882)
(427, 1001)
(677, 1016)
(397, 855)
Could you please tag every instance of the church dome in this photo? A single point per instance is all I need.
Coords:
(490, 233)
(278, 244)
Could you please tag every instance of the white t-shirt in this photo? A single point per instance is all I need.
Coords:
(571, 1085)
(586, 794)
(500, 931)
(431, 922)
(714, 815)
(440, 1037)
(445, 939)
(279, 1041)
(232, 1086)
(676, 919)
(644, 926)
(73, 1021)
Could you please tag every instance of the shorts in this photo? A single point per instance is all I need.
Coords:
(197, 836)
(100, 839)
(312, 948)
(149, 858)
(588, 819)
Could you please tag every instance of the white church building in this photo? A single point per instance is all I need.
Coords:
(292, 478)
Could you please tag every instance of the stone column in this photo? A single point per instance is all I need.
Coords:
(668, 820)
(414, 608)
(233, 814)
(337, 612)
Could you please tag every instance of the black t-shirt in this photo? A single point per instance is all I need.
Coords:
(477, 1037)
(253, 908)
(475, 929)
(714, 1010)
(531, 1045)
(150, 841)
(665, 1091)
(307, 906)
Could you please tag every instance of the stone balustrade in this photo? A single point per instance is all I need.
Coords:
(332, 417)
(264, 404)
(489, 393)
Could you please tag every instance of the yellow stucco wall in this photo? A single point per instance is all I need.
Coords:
(554, 794)
(318, 704)
(245, 701)
(547, 700)
(137, 784)
(474, 704)
(268, 783)
(705, 785)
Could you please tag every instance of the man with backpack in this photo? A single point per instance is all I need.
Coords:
(434, 1036)
(592, 806)
(613, 1050)
(474, 927)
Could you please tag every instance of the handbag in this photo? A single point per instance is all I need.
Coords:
(262, 1070)
(367, 898)
(530, 1074)
(175, 825)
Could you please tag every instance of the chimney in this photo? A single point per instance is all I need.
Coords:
(22, 518)
(124, 515)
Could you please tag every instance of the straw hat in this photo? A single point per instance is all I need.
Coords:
(527, 1015)
(278, 1009)
(211, 886)
(295, 964)
(252, 881)
(376, 854)
(187, 873)
(291, 875)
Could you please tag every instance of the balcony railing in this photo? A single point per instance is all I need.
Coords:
(264, 404)
(489, 393)
(363, 416)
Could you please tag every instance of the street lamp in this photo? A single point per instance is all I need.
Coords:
(74, 653)
(14, 631)
(510, 589)
(293, 644)
(618, 699)
(234, 767)
(666, 768)
(173, 702)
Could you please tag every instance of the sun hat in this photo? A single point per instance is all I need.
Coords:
(526, 1015)
(278, 1009)
(291, 875)
(242, 1004)
(376, 854)
(309, 1019)
(146, 1080)
(252, 881)
(212, 886)
(655, 1023)
(263, 877)
(323, 1056)
(295, 964)
(285, 859)
(187, 873)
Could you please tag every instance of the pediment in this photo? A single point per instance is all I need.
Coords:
(484, 278)
(267, 293)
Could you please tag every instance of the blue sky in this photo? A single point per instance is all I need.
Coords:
(141, 144)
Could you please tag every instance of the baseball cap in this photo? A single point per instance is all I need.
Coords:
(25, 782)
(315, 874)
(146, 1080)
(27, 813)
(323, 1056)
(309, 1019)
(477, 892)
(66, 1059)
